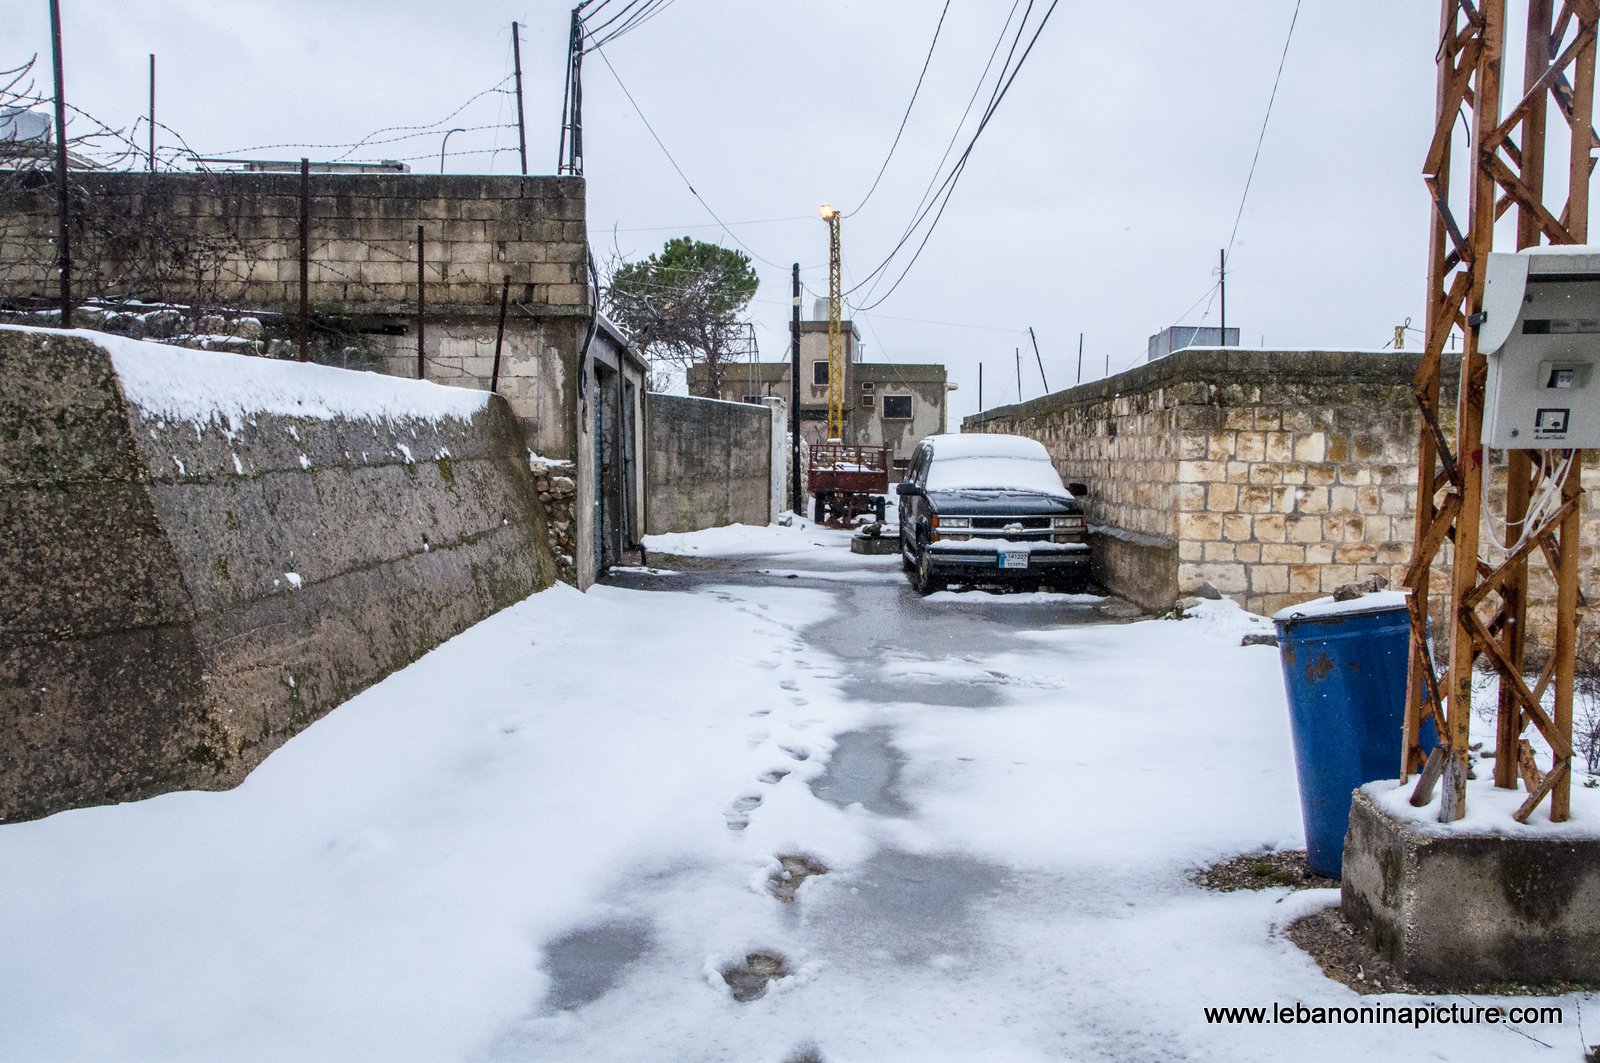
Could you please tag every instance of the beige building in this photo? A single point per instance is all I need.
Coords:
(888, 404)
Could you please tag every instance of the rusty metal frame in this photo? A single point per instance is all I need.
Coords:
(1506, 168)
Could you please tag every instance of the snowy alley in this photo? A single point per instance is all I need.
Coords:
(952, 828)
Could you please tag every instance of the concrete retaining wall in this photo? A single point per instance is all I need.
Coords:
(182, 597)
(708, 463)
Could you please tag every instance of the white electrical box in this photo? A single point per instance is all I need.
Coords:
(1541, 334)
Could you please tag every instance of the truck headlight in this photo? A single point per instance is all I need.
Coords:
(1072, 523)
(952, 522)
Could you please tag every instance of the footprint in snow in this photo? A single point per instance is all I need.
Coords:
(738, 813)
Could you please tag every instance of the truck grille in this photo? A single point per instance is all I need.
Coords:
(1030, 523)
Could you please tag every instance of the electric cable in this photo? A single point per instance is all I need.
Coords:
(962, 163)
(678, 169)
(1265, 119)
(927, 59)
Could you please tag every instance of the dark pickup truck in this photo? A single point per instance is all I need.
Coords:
(990, 508)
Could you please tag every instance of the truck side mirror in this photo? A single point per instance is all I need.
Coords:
(907, 489)
(1078, 490)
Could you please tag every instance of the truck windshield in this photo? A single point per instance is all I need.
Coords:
(991, 473)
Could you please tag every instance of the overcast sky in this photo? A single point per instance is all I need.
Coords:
(1095, 202)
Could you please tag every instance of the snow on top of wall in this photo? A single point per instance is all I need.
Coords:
(180, 384)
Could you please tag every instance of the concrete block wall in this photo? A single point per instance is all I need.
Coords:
(231, 240)
(154, 638)
(708, 463)
(236, 236)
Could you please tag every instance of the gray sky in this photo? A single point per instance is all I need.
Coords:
(1096, 201)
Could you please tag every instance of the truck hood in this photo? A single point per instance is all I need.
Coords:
(1000, 502)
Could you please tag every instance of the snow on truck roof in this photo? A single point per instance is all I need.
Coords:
(979, 462)
(987, 445)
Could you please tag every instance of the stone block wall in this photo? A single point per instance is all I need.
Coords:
(1273, 476)
(708, 463)
(183, 596)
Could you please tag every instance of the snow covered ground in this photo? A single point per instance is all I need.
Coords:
(545, 840)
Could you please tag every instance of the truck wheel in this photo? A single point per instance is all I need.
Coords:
(925, 581)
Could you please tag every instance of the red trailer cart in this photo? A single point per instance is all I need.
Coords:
(846, 481)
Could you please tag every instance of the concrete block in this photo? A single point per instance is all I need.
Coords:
(1457, 907)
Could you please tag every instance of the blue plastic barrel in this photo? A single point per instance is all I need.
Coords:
(1344, 669)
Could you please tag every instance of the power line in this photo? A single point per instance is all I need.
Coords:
(906, 117)
(1263, 136)
(715, 225)
(679, 170)
(961, 164)
(926, 203)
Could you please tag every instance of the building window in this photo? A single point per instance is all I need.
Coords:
(868, 385)
(897, 407)
(813, 413)
(866, 401)
(819, 374)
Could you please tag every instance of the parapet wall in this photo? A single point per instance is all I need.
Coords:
(234, 239)
(1274, 476)
(185, 592)
(708, 463)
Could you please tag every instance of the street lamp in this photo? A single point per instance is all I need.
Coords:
(443, 144)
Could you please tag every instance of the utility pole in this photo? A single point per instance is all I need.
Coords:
(1039, 358)
(1222, 285)
(1080, 357)
(1018, 351)
(980, 388)
(522, 128)
(835, 326)
(796, 489)
(572, 101)
(63, 229)
(1504, 155)
(152, 113)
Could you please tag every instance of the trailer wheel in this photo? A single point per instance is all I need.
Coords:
(878, 507)
(819, 508)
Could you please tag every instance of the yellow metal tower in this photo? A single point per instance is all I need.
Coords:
(835, 338)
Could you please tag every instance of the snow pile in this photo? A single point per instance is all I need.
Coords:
(1489, 810)
(180, 384)
(749, 540)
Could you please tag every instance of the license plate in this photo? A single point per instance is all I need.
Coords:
(1013, 559)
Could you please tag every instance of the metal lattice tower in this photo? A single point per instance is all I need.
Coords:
(1505, 167)
(835, 335)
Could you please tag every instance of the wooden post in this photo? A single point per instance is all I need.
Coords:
(422, 372)
(63, 201)
(1469, 426)
(1519, 463)
(304, 324)
(500, 334)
